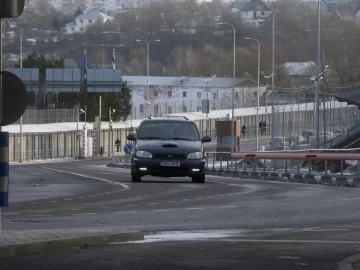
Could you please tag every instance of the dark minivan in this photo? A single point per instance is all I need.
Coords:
(168, 147)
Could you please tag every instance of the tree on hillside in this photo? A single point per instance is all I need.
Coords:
(78, 12)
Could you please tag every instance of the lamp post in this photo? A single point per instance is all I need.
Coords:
(317, 116)
(147, 71)
(233, 91)
(258, 93)
(207, 96)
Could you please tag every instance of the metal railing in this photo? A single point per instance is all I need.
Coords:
(299, 168)
(342, 137)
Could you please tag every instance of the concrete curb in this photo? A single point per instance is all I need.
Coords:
(347, 263)
(68, 243)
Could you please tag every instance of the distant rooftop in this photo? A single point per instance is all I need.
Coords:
(181, 81)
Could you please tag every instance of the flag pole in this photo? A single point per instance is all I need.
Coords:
(113, 59)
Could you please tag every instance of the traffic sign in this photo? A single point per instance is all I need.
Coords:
(128, 149)
(14, 98)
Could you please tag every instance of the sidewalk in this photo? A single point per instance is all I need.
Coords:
(21, 243)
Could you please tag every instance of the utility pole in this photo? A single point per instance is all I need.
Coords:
(317, 93)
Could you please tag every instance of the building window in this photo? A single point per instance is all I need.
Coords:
(198, 94)
(169, 109)
(156, 109)
(81, 21)
(184, 94)
(254, 14)
(169, 94)
(184, 109)
(141, 108)
(236, 95)
(90, 21)
(198, 108)
(262, 13)
(155, 93)
(213, 95)
(81, 28)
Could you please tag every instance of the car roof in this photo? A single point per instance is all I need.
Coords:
(179, 118)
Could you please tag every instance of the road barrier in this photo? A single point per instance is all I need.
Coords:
(287, 166)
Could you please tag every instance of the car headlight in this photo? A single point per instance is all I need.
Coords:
(143, 154)
(196, 155)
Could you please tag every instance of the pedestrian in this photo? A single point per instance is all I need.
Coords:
(264, 127)
(117, 143)
(260, 127)
(243, 130)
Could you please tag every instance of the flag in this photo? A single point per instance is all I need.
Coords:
(85, 66)
(113, 59)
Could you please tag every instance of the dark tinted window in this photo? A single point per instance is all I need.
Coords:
(168, 129)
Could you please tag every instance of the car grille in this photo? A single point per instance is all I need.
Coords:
(170, 156)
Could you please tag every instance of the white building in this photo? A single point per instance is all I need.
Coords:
(185, 94)
(252, 12)
(83, 21)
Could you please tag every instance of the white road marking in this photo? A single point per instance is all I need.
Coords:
(194, 208)
(74, 209)
(39, 215)
(126, 187)
(67, 199)
(257, 205)
(290, 241)
(80, 197)
(104, 207)
(170, 201)
(8, 214)
(288, 257)
(85, 214)
(35, 173)
(124, 212)
(34, 203)
(53, 201)
(130, 205)
(161, 210)
(42, 211)
(107, 173)
(153, 203)
(228, 206)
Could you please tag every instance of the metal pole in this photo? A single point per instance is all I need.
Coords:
(109, 131)
(21, 123)
(85, 114)
(273, 84)
(21, 118)
(233, 98)
(77, 132)
(147, 81)
(318, 79)
(258, 99)
(323, 89)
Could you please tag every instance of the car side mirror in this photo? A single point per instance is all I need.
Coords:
(131, 137)
(206, 139)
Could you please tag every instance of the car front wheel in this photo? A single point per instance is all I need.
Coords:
(199, 179)
(135, 177)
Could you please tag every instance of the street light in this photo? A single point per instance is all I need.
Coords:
(233, 91)
(317, 96)
(147, 71)
(258, 92)
(207, 96)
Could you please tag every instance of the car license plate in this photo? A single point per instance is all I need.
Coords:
(170, 164)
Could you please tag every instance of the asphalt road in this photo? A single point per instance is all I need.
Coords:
(258, 223)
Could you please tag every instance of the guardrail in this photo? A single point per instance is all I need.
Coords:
(288, 166)
(121, 160)
(284, 166)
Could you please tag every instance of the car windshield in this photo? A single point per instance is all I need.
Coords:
(165, 130)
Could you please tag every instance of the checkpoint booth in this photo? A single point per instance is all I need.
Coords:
(223, 134)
